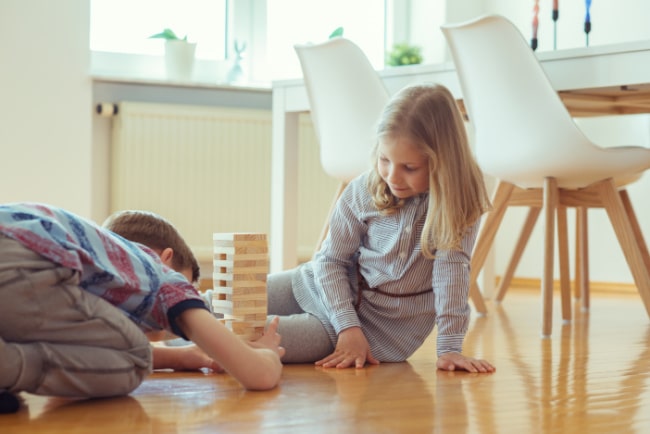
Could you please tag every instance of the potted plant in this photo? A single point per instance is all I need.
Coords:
(179, 55)
(404, 54)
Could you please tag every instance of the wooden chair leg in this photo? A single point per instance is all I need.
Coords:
(326, 226)
(625, 229)
(485, 239)
(477, 298)
(581, 290)
(563, 256)
(638, 235)
(578, 258)
(550, 200)
(524, 236)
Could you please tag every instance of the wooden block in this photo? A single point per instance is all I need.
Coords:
(248, 330)
(238, 236)
(240, 277)
(260, 266)
(245, 252)
(222, 306)
(240, 269)
(243, 243)
(239, 309)
(253, 298)
(237, 261)
(225, 256)
(223, 245)
(258, 289)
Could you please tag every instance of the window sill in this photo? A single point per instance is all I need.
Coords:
(150, 70)
(144, 81)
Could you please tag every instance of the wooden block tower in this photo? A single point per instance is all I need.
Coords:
(241, 265)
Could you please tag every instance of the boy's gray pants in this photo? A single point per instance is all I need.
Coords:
(58, 339)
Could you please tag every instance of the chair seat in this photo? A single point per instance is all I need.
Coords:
(625, 164)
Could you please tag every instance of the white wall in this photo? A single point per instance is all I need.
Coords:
(45, 117)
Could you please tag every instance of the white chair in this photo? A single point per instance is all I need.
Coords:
(525, 137)
(346, 97)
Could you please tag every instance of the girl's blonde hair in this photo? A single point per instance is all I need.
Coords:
(155, 232)
(427, 115)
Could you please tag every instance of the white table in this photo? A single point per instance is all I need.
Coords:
(589, 81)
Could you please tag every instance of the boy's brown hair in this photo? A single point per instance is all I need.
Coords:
(155, 232)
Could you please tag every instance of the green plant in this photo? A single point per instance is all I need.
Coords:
(338, 32)
(169, 35)
(404, 54)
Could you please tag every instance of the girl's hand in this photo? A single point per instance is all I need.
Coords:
(352, 349)
(270, 339)
(454, 361)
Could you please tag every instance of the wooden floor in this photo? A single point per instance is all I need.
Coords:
(592, 376)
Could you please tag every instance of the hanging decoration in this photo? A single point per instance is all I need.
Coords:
(587, 21)
(533, 41)
(555, 16)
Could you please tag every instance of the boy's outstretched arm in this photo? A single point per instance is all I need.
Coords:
(256, 368)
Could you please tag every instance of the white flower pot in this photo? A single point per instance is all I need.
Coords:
(179, 60)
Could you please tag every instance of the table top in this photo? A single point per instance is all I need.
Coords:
(598, 80)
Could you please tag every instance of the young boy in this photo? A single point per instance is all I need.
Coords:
(75, 299)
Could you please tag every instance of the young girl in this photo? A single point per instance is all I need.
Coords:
(396, 260)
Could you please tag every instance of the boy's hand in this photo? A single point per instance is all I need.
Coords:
(271, 338)
(186, 358)
(193, 358)
(454, 361)
(352, 349)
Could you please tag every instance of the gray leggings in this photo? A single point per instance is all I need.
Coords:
(58, 339)
(303, 336)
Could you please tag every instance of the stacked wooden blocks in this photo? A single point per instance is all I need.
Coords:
(241, 265)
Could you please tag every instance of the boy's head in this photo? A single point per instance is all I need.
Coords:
(156, 233)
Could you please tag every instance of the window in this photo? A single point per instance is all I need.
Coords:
(293, 22)
(124, 26)
(120, 30)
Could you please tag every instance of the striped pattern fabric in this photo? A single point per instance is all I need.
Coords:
(387, 250)
(128, 275)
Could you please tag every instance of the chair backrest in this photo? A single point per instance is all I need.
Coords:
(346, 96)
(522, 129)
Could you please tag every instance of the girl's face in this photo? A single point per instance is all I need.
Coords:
(403, 167)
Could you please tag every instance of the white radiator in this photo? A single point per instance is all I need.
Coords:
(208, 170)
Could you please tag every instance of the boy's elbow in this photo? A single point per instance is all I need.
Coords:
(264, 380)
